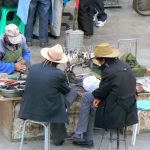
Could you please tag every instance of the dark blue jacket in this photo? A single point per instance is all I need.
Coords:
(117, 90)
(43, 98)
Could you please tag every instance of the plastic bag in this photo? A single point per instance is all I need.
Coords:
(90, 83)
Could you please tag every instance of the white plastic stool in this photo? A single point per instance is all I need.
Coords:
(46, 126)
(142, 105)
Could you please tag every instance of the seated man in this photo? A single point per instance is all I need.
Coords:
(14, 53)
(46, 93)
(115, 99)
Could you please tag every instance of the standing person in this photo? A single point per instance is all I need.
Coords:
(115, 99)
(46, 93)
(100, 15)
(85, 17)
(42, 6)
(55, 25)
(14, 53)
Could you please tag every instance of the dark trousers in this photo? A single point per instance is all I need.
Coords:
(58, 130)
(85, 16)
(42, 6)
(99, 6)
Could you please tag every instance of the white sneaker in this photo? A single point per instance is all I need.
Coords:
(100, 23)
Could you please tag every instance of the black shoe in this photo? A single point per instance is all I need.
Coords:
(59, 143)
(43, 44)
(87, 144)
(87, 36)
(35, 37)
(29, 43)
(53, 36)
(75, 136)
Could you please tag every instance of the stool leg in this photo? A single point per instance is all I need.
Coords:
(47, 137)
(110, 140)
(139, 116)
(135, 130)
(125, 138)
(118, 134)
(103, 133)
(134, 133)
(22, 27)
(3, 21)
(22, 136)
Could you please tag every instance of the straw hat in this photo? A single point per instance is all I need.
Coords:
(54, 54)
(105, 50)
(13, 34)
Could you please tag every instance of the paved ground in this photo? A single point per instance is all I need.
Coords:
(142, 143)
(122, 23)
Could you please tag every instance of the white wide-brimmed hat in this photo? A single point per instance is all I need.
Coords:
(13, 34)
(54, 54)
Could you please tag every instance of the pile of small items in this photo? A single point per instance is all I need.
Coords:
(11, 88)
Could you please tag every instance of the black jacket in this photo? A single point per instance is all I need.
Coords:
(117, 91)
(43, 99)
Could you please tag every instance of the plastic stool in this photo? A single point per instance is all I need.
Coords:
(46, 126)
(111, 139)
(142, 105)
(16, 20)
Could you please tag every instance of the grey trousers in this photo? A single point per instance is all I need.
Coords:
(87, 117)
(55, 26)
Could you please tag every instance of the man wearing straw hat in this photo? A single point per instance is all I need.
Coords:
(46, 92)
(114, 101)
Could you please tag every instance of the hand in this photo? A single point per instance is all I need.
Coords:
(20, 67)
(96, 103)
(22, 61)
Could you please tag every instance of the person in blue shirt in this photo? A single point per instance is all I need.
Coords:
(14, 53)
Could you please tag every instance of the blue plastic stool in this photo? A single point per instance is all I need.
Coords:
(16, 20)
(142, 105)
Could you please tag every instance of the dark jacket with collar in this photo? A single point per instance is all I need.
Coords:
(43, 99)
(117, 91)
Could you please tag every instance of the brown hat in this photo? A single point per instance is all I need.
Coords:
(54, 54)
(105, 50)
(13, 34)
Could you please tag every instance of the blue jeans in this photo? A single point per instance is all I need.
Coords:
(42, 6)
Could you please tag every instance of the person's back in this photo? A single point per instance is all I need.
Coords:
(119, 98)
(42, 100)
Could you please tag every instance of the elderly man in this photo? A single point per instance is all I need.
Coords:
(115, 99)
(46, 93)
(14, 53)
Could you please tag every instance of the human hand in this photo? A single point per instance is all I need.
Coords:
(20, 67)
(22, 61)
(96, 103)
